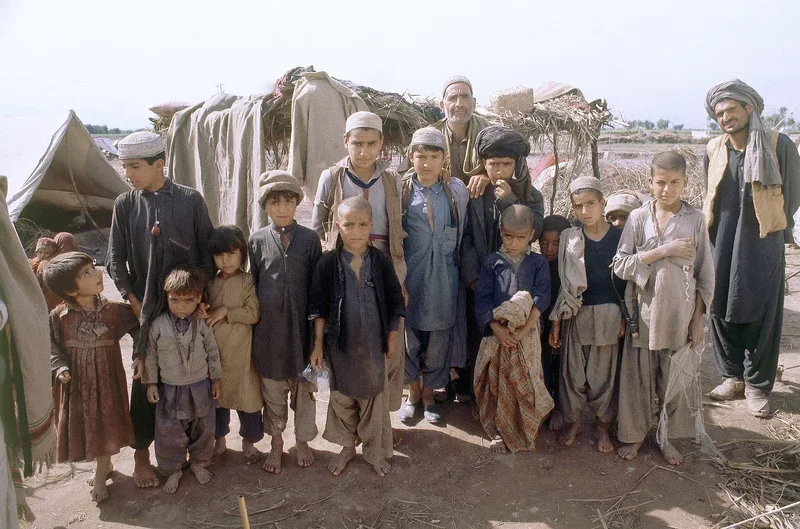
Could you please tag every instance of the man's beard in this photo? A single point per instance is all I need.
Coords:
(460, 118)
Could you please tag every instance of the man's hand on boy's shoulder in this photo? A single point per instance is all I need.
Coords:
(477, 185)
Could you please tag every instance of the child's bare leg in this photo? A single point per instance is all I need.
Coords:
(144, 475)
(220, 446)
(172, 482)
(338, 463)
(498, 446)
(427, 396)
(382, 467)
(604, 444)
(305, 456)
(568, 436)
(556, 421)
(90, 481)
(671, 455)
(251, 453)
(99, 491)
(201, 473)
(273, 462)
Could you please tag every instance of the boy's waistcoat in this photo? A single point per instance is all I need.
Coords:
(767, 200)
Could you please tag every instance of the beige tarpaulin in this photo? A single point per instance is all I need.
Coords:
(217, 148)
(41, 156)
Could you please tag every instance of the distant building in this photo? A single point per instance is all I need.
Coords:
(700, 134)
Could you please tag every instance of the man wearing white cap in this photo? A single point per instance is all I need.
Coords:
(156, 226)
(362, 174)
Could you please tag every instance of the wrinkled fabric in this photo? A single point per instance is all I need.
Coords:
(760, 164)
(509, 386)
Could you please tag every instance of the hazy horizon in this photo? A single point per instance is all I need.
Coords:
(111, 62)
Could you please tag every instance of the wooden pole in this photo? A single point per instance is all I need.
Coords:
(555, 174)
(595, 160)
(243, 513)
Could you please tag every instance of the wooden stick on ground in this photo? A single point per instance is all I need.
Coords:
(243, 512)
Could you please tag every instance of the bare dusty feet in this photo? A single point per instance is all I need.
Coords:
(630, 451)
(305, 456)
(568, 436)
(111, 470)
(671, 455)
(397, 439)
(220, 446)
(498, 446)
(172, 482)
(338, 463)
(382, 467)
(201, 473)
(273, 462)
(556, 421)
(604, 444)
(252, 455)
(144, 475)
(99, 491)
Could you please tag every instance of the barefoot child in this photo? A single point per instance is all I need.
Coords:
(513, 290)
(182, 354)
(434, 216)
(356, 305)
(93, 420)
(156, 226)
(282, 260)
(665, 251)
(592, 320)
(362, 174)
(552, 227)
(232, 313)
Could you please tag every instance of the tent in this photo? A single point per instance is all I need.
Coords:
(56, 171)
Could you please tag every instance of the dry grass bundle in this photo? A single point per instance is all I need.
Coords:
(401, 114)
(770, 481)
(29, 234)
(632, 174)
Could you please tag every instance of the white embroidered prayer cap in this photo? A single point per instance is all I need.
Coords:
(141, 144)
(364, 120)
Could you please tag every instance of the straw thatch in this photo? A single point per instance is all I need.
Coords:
(402, 114)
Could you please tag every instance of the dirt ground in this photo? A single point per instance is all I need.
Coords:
(442, 476)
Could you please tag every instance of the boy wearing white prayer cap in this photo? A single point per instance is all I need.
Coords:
(156, 226)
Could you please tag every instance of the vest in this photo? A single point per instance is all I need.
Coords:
(767, 200)
(393, 212)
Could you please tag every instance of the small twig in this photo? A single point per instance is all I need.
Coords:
(773, 511)
(607, 498)
(602, 520)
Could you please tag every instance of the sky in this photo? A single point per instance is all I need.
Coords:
(112, 60)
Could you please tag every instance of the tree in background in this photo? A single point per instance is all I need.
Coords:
(779, 119)
(662, 124)
(677, 126)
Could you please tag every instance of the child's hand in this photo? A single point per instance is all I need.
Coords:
(696, 330)
(220, 314)
(216, 392)
(316, 357)
(137, 366)
(502, 189)
(152, 393)
(622, 328)
(680, 248)
(64, 377)
(136, 305)
(391, 344)
(555, 335)
(504, 335)
(200, 313)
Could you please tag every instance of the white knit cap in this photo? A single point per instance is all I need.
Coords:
(429, 137)
(456, 79)
(585, 182)
(364, 120)
(141, 144)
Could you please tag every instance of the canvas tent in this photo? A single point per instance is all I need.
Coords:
(55, 171)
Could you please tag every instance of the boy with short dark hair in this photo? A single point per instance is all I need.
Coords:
(665, 251)
(182, 355)
(156, 226)
(283, 256)
(434, 216)
(356, 304)
(362, 174)
(513, 291)
(588, 302)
